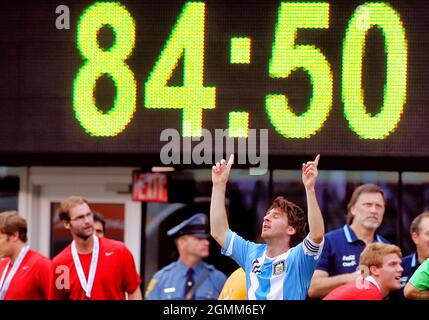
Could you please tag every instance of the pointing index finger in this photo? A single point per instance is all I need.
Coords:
(316, 161)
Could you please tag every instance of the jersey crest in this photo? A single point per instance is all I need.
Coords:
(279, 267)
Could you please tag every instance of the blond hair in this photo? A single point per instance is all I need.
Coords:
(374, 253)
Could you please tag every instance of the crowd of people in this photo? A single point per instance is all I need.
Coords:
(350, 263)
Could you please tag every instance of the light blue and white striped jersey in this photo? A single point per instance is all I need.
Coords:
(284, 277)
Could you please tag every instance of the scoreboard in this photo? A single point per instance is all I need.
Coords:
(347, 79)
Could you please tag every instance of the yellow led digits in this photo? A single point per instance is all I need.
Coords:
(187, 40)
(382, 124)
(99, 62)
(238, 124)
(289, 56)
(240, 50)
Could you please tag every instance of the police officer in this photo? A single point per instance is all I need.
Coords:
(189, 277)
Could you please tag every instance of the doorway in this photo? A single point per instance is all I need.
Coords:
(108, 191)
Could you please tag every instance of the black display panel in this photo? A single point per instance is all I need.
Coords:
(347, 79)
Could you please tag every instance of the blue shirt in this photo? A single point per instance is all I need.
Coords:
(410, 264)
(286, 276)
(342, 250)
(169, 282)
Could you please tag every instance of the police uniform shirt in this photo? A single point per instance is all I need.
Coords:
(342, 250)
(410, 264)
(169, 282)
(284, 277)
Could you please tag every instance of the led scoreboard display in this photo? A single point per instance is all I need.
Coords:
(341, 78)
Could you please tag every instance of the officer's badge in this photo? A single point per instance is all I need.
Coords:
(150, 287)
(279, 268)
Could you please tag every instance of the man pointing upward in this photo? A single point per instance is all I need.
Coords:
(282, 267)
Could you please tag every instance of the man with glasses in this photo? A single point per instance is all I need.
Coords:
(91, 267)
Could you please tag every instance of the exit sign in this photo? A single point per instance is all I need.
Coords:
(149, 187)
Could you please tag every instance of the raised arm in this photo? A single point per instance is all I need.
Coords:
(315, 219)
(218, 219)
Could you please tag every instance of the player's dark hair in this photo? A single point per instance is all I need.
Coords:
(99, 218)
(296, 218)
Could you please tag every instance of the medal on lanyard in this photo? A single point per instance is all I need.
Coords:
(86, 285)
(5, 281)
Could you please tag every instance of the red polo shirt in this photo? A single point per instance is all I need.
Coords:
(365, 291)
(32, 280)
(116, 273)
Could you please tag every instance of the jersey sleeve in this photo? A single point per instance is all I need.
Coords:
(311, 248)
(420, 278)
(131, 277)
(307, 254)
(236, 247)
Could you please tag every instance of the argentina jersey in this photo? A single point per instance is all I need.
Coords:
(284, 277)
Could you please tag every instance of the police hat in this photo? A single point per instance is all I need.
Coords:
(197, 225)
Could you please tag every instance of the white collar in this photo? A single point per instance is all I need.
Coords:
(281, 256)
(5, 281)
(373, 281)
